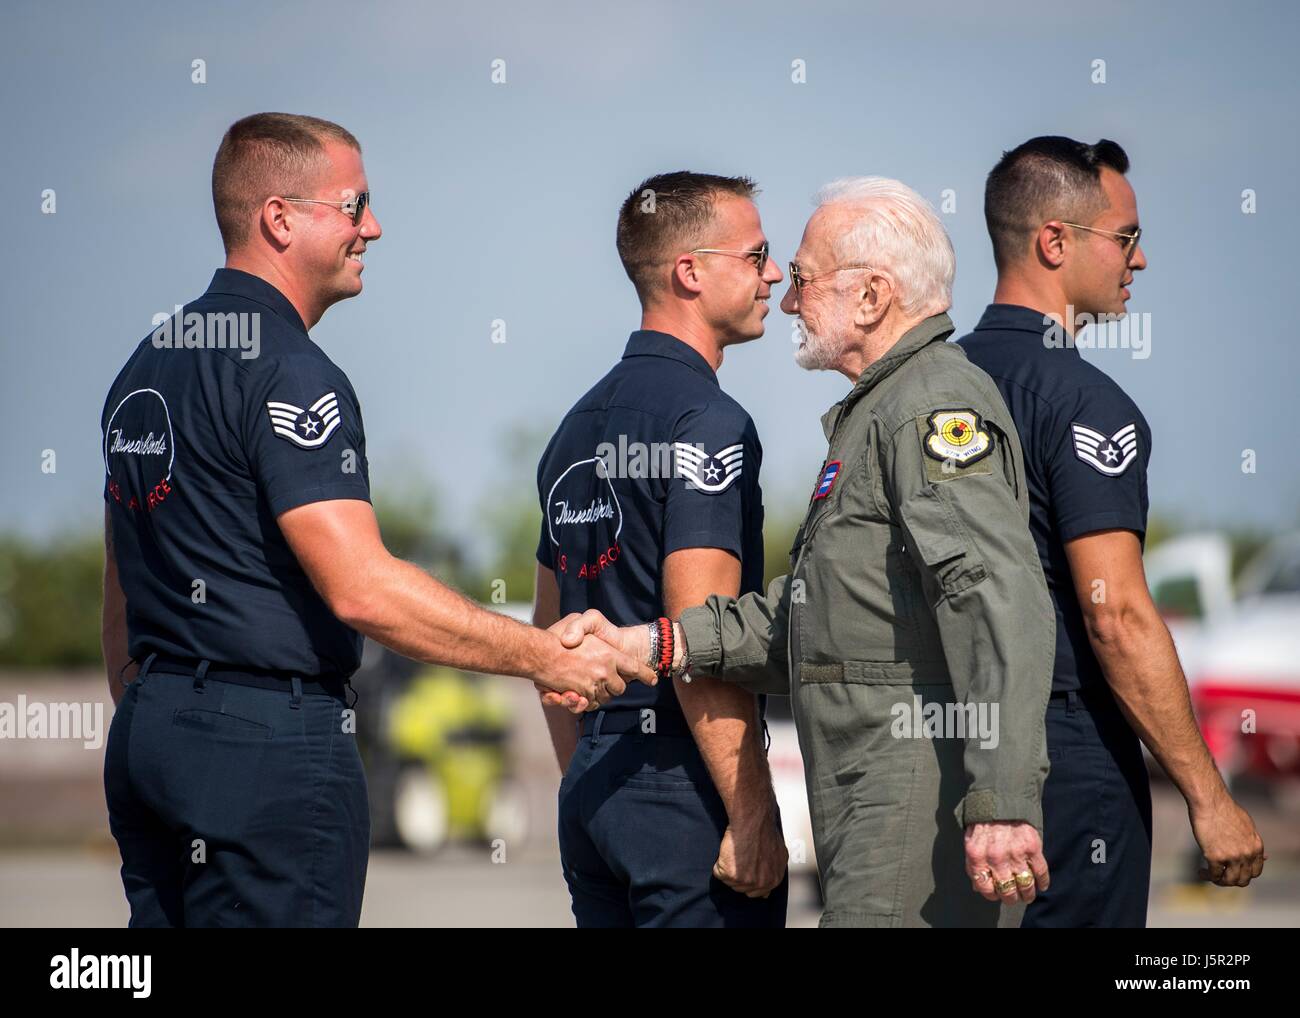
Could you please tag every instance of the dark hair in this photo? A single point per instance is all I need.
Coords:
(665, 215)
(1045, 178)
(266, 154)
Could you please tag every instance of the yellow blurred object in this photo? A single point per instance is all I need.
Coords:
(450, 730)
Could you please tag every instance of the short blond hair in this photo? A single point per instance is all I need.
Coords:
(263, 155)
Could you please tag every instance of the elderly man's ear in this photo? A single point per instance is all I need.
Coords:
(874, 301)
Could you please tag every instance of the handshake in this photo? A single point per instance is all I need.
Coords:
(596, 661)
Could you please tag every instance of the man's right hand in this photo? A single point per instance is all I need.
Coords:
(631, 642)
(1229, 841)
(752, 858)
(589, 671)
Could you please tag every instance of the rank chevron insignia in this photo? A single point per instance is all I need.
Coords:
(1109, 454)
(710, 474)
(308, 428)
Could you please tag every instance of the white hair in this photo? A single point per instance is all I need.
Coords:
(894, 228)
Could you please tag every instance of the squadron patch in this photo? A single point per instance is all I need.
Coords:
(956, 443)
(1109, 454)
(957, 437)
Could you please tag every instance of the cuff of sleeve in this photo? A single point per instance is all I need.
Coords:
(700, 627)
(283, 501)
(1079, 526)
(984, 806)
(726, 540)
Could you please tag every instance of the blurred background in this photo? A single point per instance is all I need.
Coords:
(499, 140)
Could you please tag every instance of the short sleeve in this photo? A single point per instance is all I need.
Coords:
(303, 434)
(716, 459)
(1097, 454)
(545, 546)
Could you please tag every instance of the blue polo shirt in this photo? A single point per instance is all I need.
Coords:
(654, 459)
(1086, 447)
(226, 416)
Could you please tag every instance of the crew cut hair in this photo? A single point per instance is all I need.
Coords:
(1049, 177)
(666, 215)
(263, 155)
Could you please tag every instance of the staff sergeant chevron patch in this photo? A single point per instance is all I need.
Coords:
(709, 474)
(310, 428)
(1109, 455)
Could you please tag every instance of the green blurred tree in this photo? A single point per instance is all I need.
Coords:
(51, 596)
(410, 525)
(513, 520)
(779, 529)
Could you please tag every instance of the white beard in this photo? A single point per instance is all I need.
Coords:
(818, 353)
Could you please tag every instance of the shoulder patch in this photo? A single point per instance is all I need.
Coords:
(957, 443)
(307, 428)
(957, 436)
(711, 473)
(1107, 454)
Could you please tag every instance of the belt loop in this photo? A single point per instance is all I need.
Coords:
(295, 692)
(595, 729)
(144, 668)
(200, 674)
(347, 683)
(1071, 702)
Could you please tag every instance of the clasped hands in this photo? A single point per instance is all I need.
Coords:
(596, 661)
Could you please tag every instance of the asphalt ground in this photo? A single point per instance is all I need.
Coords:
(464, 887)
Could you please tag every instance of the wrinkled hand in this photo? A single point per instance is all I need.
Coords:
(752, 859)
(997, 851)
(595, 665)
(1233, 850)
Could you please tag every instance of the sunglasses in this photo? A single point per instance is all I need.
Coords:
(353, 208)
(759, 256)
(1129, 240)
(800, 279)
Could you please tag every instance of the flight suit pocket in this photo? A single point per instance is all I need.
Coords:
(942, 542)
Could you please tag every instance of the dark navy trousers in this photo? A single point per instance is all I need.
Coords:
(236, 806)
(1096, 818)
(640, 827)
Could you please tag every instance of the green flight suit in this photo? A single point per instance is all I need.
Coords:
(915, 589)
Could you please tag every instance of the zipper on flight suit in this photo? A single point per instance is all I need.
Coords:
(807, 536)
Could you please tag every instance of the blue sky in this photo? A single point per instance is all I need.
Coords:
(498, 201)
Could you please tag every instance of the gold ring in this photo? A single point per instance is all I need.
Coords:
(1003, 886)
(982, 876)
(1024, 878)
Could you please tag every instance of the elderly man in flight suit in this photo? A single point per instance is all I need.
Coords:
(914, 632)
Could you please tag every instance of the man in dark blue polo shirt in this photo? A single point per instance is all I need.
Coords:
(244, 564)
(650, 497)
(1065, 232)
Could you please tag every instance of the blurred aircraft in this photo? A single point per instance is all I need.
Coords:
(1241, 655)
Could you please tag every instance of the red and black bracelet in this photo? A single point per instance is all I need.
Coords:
(664, 666)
